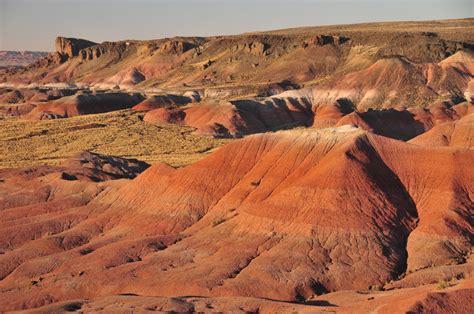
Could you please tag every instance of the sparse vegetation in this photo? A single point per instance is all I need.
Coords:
(459, 276)
(376, 288)
(443, 284)
(119, 133)
(86, 251)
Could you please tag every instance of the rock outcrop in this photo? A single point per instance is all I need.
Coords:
(176, 47)
(70, 47)
(91, 53)
(321, 40)
(256, 48)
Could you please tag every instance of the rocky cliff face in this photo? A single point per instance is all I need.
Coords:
(256, 48)
(321, 40)
(70, 47)
(94, 52)
(176, 47)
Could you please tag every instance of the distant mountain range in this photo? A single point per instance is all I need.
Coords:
(20, 58)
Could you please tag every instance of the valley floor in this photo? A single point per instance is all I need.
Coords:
(120, 133)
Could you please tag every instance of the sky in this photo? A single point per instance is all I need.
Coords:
(34, 24)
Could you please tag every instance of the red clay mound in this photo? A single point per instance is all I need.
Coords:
(165, 115)
(82, 104)
(9, 96)
(391, 123)
(275, 113)
(327, 115)
(16, 110)
(160, 232)
(238, 118)
(458, 300)
(219, 119)
(461, 60)
(35, 202)
(163, 101)
(26, 185)
(133, 303)
(19, 102)
(15, 96)
(126, 78)
(395, 81)
(403, 124)
(458, 133)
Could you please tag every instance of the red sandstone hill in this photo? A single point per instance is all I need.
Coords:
(242, 117)
(234, 118)
(81, 104)
(237, 118)
(280, 216)
(453, 133)
(398, 81)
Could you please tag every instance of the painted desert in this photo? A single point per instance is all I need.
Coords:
(312, 169)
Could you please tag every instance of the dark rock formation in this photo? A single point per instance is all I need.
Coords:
(256, 48)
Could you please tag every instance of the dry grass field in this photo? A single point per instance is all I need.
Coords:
(120, 133)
